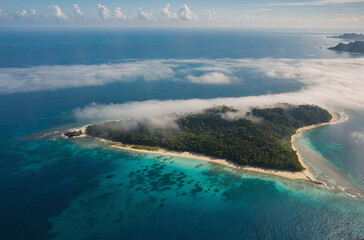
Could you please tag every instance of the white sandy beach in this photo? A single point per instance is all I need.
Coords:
(285, 174)
(303, 175)
(335, 118)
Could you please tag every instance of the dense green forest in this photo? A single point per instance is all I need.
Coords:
(261, 138)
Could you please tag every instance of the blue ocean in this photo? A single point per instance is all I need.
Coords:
(53, 80)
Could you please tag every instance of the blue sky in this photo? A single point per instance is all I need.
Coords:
(179, 13)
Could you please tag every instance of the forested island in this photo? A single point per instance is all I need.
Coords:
(355, 47)
(349, 36)
(260, 138)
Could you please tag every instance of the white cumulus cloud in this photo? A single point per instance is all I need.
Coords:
(185, 13)
(145, 15)
(58, 12)
(23, 13)
(119, 15)
(104, 13)
(77, 13)
(166, 14)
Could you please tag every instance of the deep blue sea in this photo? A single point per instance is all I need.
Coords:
(56, 188)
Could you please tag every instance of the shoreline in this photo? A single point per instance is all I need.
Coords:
(335, 118)
(303, 175)
(281, 173)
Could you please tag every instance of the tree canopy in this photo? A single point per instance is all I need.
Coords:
(261, 138)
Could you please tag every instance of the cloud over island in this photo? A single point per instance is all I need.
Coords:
(332, 83)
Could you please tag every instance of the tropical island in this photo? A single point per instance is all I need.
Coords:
(260, 138)
(349, 36)
(354, 47)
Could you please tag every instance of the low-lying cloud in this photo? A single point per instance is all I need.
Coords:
(43, 78)
(210, 78)
(331, 83)
(335, 84)
(152, 123)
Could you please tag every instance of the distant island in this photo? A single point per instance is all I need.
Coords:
(261, 138)
(349, 36)
(355, 47)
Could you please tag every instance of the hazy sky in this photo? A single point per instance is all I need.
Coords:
(178, 13)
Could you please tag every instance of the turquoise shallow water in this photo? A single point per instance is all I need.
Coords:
(338, 145)
(53, 188)
(145, 195)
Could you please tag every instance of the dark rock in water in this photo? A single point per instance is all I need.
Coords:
(72, 134)
(355, 47)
